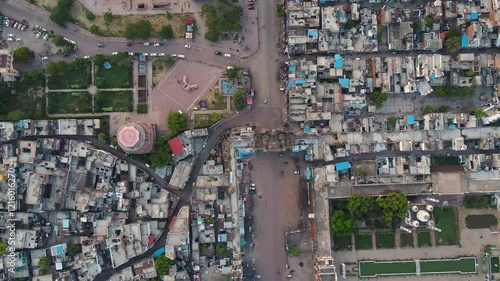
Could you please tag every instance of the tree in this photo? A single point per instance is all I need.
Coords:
(108, 17)
(212, 36)
(429, 109)
(232, 73)
(417, 25)
(221, 18)
(75, 249)
(239, 100)
(379, 98)
(221, 249)
(470, 73)
(341, 224)
(90, 16)
(61, 13)
(280, 9)
(3, 248)
(429, 22)
(444, 108)
(102, 136)
(16, 115)
(59, 41)
(295, 251)
(162, 154)
(361, 206)
(218, 96)
(162, 264)
(479, 113)
(45, 262)
(380, 33)
(139, 30)
(23, 55)
(395, 204)
(452, 40)
(94, 29)
(177, 122)
(167, 32)
(168, 15)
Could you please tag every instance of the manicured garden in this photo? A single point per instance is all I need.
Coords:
(119, 75)
(446, 220)
(406, 240)
(481, 221)
(74, 75)
(364, 241)
(119, 101)
(480, 202)
(385, 240)
(74, 102)
(424, 239)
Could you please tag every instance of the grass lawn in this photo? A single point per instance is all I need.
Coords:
(406, 239)
(24, 98)
(495, 264)
(342, 243)
(206, 120)
(460, 265)
(424, 239)
(364, 241)
(79, 78)
(481, 221)
(64, 103)
(385, 240)
(380, 268)
(121, 101)
(118, 76)
(446, 220)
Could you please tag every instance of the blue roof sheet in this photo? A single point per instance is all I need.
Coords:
(465, 41)
(291, 84)
(433, 76)
(344, 82)
(338, 63)
(301, 81)
(474, 16)
(291, 68)
(307, 129)
(452, 126)
(342, 166)
(411, 119)
(312, 32)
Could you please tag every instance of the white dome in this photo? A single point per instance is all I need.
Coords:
(414, 208)
(415, 224)
(429, 208)
(430, 223)
(423, 216)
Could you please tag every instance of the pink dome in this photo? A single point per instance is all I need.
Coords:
(128, 136)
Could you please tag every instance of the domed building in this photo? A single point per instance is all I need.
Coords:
(136, 138)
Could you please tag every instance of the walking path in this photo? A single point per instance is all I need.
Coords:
(417, 266)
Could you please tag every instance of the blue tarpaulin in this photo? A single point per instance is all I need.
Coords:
(342, 166)
(312, 32)
(344, 82)
(465, 41)
(474, 16)
(308, 173)
(307, 130)
(338, 63)
(452, 126)
(300, 82)
(411, 119)
(159, 252)
(291, 68)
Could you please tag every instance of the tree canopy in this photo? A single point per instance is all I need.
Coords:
(167, 32)
(395, 204)
(162, 154)
(45, 262)
(239, 100)
(23, 55)
(379, 98)
(162, 264)
(452, 40)
(220, 18)
(177, 122)
(361, 206)
(108, 17)
(342, 224)
(139, 30)
(479, 113)
(233, 73)
(3, 248)
(453, 90)
(75, 249)
(61, 13)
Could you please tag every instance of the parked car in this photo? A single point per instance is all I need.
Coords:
(157, 44)
(187, 46)
(46, 37)
(45, 58)
(129, 43)
(227, 55)
(38, 34)
(153, 54)
(100, 45)
(19, 39)
(114, 147)
(146, 44)
(6, 23)
(181, 56)
(86, 57)
(162, 54)
(10, 35)
(15, 25)
(114, 53)
(88, 142)
(65, 54)
(174, 55)
(10, 39)
(218, 53)
(296, 172)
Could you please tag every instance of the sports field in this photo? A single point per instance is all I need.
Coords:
(463, 265)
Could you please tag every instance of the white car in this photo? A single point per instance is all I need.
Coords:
(181, 56)
(130, 53)
(86, 57)
(11, 35)
(156, 44)
(174, 55)
(38, 34)
(153, 54)
(296, 172)
(19, 39)
(46, 37)
(162, 54)
(187, 46)
(114, 53)
(227, 55)
(10, 39)
(146, 44)
(45, 58)
(145, 54)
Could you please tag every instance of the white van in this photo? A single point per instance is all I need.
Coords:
(181, 56)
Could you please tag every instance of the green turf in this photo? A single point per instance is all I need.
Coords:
(121, 101)
(481, 221)
(64, 103)
(495, 264)
(385, 240)
(461, 265)
(79, 78)
(118, 76)
(372, 268)
(406, 239)
(446, 220)
(424, 239)
(364, 241)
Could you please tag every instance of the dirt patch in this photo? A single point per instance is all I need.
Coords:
(50, 4)
(118, 25)
(142, 81)
(142, 95)
(160, 69)
(213, 103)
